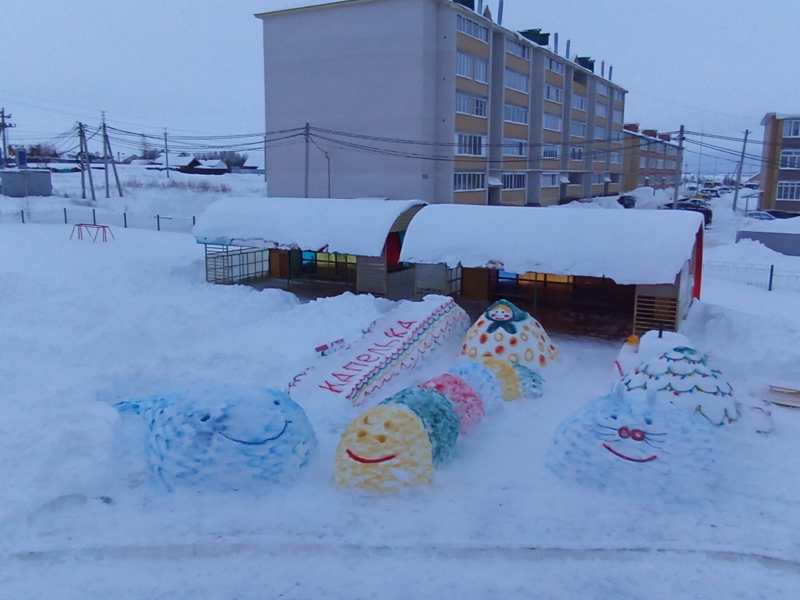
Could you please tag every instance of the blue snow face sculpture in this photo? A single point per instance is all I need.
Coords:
(482, 381)
(225, 438)
(636, 445)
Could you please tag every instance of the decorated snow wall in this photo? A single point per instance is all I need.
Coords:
(224, 438)
(398, 443)
(393, 345)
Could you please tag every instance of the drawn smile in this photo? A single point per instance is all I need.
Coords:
(369, 461)
(257, 442)
(630, 458)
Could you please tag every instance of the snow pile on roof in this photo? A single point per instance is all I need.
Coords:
(628, 246)
(350, 226)
(282, 5)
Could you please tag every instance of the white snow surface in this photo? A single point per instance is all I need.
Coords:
(351, 226)
(628, 246)
(86, 324)
(281, 5)
(777, 226)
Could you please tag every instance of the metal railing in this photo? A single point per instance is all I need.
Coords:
(768, 277)
(83, 214)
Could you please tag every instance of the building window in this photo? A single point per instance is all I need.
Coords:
(516, 114)
(642, 162)
(602, 89)
(617, 116)
(598, 178)
(472, 67)
(469, 182)
(789, 190)
(790, 159)
(578, 101)
(616, 158)
(601, 110)
(517, 81)
(555, 66)
(515, 147)
(553, 93)
(551, 151)
(618, 95)
(791, 129)
(515, 181)
(517, 49)
(577, 128)
(617, 135)
(552, 122)
(550, 180)
(600, 133)
(469, 144)
(672, 151)
(614, 177)
(472, 28)
(469, 104)
(576, 153)
(660, 164)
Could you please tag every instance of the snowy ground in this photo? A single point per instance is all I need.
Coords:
(85, 324)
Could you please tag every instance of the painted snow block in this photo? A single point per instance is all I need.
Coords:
(467, 404)
(438, 417)
(384, 450)
(682, 377)
(530, 382)
(637, 446)
(507, 333)
(482, 380)
(510, 387)
(224, 438)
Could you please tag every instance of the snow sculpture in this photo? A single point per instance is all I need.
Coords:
(397, 443)
(466, 403)
(506, 333)
(530, 382)
(224, 438)
(682, 377)
(482, 380)
(636, 444)
(507, 376)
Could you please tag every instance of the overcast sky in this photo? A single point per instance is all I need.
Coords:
(196, 65)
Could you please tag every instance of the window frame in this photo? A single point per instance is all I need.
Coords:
(549, 146)
(597, 111)
(508, 80)
(583, 104)
(472, 62)
(514, 175)
(575, 122)
(791, 128)
(510, 143)
(560, 65)
(473, 100)
(514, 107)
(525, 53)
(581, 151)
(552, 116)
(559, 92)
(459, 145)
(595, 133)
(557, 176)
(789, 156)
(480, 179)
(466, 21)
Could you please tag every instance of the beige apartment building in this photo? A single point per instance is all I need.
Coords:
(651, 159)
(481, 114)
(780, 167)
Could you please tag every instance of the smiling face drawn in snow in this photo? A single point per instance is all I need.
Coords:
(630, 444)
(225, 438)
(383, 450)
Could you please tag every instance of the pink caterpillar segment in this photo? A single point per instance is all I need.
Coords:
(467, 404)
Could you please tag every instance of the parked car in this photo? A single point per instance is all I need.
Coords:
(782, 214)
(627, 201)
(760, 215)
(698, 206)
(709, 193)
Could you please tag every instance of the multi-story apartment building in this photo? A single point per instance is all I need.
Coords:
(780, 167)
(651, 159)
(453, 106)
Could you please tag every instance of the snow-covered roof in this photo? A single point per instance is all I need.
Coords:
(213, 164)
(350, 226)
(650, 138)
(628, 246)
(175, 160)
(277, 6)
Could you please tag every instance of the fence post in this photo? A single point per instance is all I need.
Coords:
(158, 222)
(771, 276)
(22, 215)
(94, 217)
(194, 220)
(65, 215)
(125, 220)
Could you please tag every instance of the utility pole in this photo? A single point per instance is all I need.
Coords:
(4, 124)
(266, 183)
(739, 171)
(105, 153)
(109, 153)
(308, 140)
(86, 160)
(699, 161)
(80, 158)
(166, 151)
(677, 183)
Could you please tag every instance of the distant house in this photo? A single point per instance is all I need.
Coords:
(208, 167)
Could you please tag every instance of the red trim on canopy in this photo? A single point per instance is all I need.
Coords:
(698, 264)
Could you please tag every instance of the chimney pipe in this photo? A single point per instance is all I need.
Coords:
(500, 13)
(603, 69)
(610, 72)
(480, 7)
(569, 42)
(555, 42)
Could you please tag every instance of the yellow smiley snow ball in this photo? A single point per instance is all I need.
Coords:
(383, 450)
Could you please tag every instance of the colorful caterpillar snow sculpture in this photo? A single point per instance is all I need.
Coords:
(224, 438)
(508, 334)
(637, 445)
(682, 377)
(398, 443)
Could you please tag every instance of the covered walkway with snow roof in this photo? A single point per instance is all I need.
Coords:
(613, 271)
(285, 242)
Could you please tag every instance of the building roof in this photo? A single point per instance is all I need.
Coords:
(350, 226)
(278, 6)
(779, 116)
(650, 138)
(628, 246)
